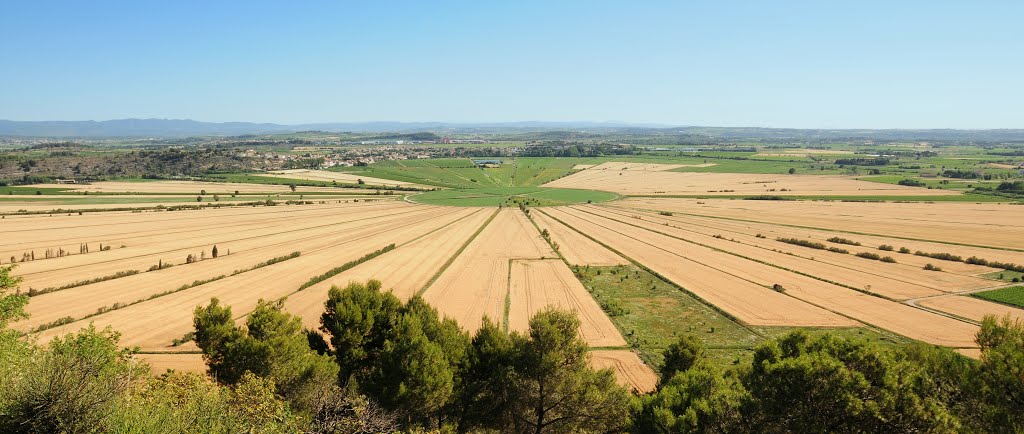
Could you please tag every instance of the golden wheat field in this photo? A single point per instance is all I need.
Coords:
(760, 263)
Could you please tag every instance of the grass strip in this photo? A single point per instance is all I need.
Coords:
(345, 267)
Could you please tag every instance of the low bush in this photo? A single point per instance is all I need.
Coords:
(840, 240)
(869, 255)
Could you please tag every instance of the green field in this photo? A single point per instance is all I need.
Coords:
(652, 313)
(1013, 296)
(511, 196)
(462, 173)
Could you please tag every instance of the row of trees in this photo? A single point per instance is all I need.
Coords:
(424, 370)
(379, 365)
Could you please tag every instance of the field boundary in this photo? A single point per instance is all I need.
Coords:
(457, 253)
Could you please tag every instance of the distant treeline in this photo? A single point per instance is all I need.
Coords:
(862, 161)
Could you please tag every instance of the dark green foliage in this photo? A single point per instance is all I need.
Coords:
(346, 266)
(698, 400)
(1000, 375)
(551, 388)
(272, 345)
(803, 243)
(417, 370)
(840, 240)
(480, 390)
(826, 384)
(942, 256)
(432, 375)
(357, 321)
(71, 386)
(1011, 187)
(12, 306)
(885, 247)
(680, 356)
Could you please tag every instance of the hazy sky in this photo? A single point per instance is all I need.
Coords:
(814, 64)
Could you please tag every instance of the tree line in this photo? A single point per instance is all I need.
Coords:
(377, 364)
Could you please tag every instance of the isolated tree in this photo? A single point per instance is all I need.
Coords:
(680, 356)
(792, 170)
(202, 192)
(551, 387)
(199, 198)
(213, 252)
(292, 187)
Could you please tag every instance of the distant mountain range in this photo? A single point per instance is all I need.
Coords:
(173, 128)
(188, 127)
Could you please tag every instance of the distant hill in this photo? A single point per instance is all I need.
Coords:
(167, 128)
(188, 127)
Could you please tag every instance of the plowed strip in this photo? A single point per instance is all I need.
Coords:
(629, 369)
(577, 249)
(537, 284)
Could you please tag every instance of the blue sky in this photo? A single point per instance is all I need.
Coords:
(820, 64)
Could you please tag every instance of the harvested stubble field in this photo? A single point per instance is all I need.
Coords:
(173, 311)
(468, 262)
(576, 248)
(405, 271)
(745, 300)
(476, 284)
(185, 187)
(536, 284)
(993, 226)
(629, 369)
(665, 182)
(970, 307)
(340, 177)
(899, 281)
(755, 304)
